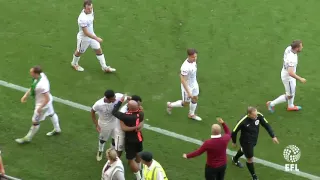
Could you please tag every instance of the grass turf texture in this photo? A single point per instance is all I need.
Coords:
(240, 50)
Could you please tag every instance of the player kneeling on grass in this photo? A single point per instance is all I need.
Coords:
(189, 86)
(40, 90)
(86, 37)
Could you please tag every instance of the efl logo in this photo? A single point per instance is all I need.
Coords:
(292, 155)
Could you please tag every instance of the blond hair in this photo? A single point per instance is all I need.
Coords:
(111, 154)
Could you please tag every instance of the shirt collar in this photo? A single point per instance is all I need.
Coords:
(151, 166)
(216, 136)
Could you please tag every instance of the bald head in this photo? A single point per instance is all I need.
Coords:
(133, 105)
(216, 129)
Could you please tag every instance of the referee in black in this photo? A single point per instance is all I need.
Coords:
(249, 127)
(133, 139)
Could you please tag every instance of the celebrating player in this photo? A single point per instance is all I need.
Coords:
(289, 77)
(86, 37)
(40, 90)
(189, 86)
(107, 122)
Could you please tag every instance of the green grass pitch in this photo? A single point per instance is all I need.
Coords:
(240, 46)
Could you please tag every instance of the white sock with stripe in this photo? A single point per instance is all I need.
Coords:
(55, 122)
(102, 60)
(75, 60)
(291, 102)
(192, 108)
(280, 99)
(33, 130)
(176, 104)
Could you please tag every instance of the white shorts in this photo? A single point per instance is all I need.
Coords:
(119, 139)
(48, 110)
(82, 45)
(107, 131)
(194, 92)
(290, 87)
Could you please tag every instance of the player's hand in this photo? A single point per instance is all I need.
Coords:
(275, 140)
(303, 80)
(141, 108)
(190, 95)
(234, 145)
(39, 110)
(98, 128)
(124, 98)
(184, 156)
(99, 40)
(220, 120)
(2, 171)
(24, 99)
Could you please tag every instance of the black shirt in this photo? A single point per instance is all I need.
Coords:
(130, 119)
(250, 129)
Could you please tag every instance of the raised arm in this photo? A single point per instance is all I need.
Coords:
(116, 112)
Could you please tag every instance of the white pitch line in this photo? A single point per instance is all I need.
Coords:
(169, 133)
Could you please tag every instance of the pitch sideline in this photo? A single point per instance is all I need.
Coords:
(168, 133)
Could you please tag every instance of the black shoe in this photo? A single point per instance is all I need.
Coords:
(238, 163)
(255, 177)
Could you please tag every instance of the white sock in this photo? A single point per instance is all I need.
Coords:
(33, 130)
(280, 99)
(176, 104)
(102, 60)
(55, 122)
(138, 175)
(75, 60)
(291, 102)
(101, 146)
(193, 108)
(139, 165)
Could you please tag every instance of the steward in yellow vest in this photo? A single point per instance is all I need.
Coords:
(152, 170)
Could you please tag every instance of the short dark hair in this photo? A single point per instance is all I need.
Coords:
(191, 51)
(251, 109)
(37, 69)
(136, 98)
(109, 94)
(295, 44)
(87, 3)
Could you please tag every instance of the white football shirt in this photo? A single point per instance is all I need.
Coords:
(104, 110)
(190, 70)
(123, 109)
(85, 20)
(290, 59)
(42, 87)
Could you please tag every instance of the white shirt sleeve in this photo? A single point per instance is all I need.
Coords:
(119, 96)
(160, 176)
(96, 106)
(82, 22)
(124, 108)
(43, 88)
(291, 61)
(184, 70)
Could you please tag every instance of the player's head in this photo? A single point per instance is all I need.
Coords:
(133, 105)
(192, 54)
(35, 71)
(87, 6)
(111, 154)
(146, 157)
(252, 112)
(216, 129)
(110, 96)
(136, 98)
(296, 46)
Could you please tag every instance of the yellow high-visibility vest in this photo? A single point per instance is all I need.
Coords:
(152, 173)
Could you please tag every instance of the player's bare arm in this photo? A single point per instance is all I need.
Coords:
(1, 167)
(25, 96)
(45, 102)
(94, 119)
(184, 84)
(294, 75)
(87, 33)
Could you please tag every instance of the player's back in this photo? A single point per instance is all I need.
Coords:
(85, 20)
(189, 69)
(43, 86)
(290, 59)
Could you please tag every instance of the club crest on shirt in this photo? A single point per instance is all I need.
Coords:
(256, 122)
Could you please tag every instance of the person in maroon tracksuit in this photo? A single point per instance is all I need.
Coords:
(216, 149)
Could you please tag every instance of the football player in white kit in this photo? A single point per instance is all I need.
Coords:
(86, 37)
(40, 90)
(289, 77)
(107, 122)
(189, 86)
